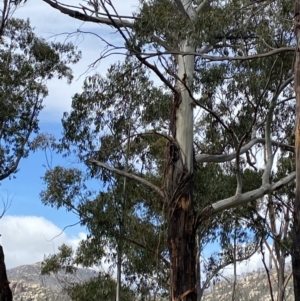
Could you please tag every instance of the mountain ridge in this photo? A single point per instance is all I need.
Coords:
(27, 283)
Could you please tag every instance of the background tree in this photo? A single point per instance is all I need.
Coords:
(296, 216)
(26, 63)
(7, 9)
(243, 104)
(276, 216)
(123, 227)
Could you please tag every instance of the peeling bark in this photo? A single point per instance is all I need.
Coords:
(182, 225)
(181, 242)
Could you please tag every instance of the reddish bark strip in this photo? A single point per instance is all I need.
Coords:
(181, 242)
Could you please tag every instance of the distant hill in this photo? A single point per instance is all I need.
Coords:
(28, 284)
(250, 287)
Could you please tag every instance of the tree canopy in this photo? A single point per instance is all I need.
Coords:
(27, 63)
(196, 119)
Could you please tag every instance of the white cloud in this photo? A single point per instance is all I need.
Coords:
(26, 239)
(51, 24)
(253, 264)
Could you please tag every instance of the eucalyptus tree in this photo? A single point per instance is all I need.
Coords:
(276, 217)
(231, 65)
(26, 63)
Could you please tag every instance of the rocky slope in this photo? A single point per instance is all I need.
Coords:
(250, 287)
(28, 284)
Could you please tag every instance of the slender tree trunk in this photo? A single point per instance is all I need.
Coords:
(281, 279)
(271, 260)
(296, 222)
(278, 234)
(5, 291)
(121, 218)
(119, 267)
(198, 268)
(182, 228)
(233, 296)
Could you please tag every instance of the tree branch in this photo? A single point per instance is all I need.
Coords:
(271, 254)
(228, 157)
(287, 279)
(267, 270)
(146, 248)
(244, 198)
(202, 5)
(128, 175)
(268, 145)
(181, 8)
(114, 20)
(221, 58)
(225, 264)
(118, 23)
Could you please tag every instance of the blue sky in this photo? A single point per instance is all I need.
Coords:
(28, 222)
(27, 185)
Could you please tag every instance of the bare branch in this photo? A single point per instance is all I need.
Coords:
(6, 205)
(228, 157)
(147, 248)
(113, 20)
(239, 181)
(128, 175)
(287, 279)
(272, 105)
(266, 268)
(271, 254)
(225, 264)
(138, 55)
(202, 5)
(221, 58)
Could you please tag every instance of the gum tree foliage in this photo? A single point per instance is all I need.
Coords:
(102, 286)
(143, 254)
(226, 69)
(108, 110)
(26, 63)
